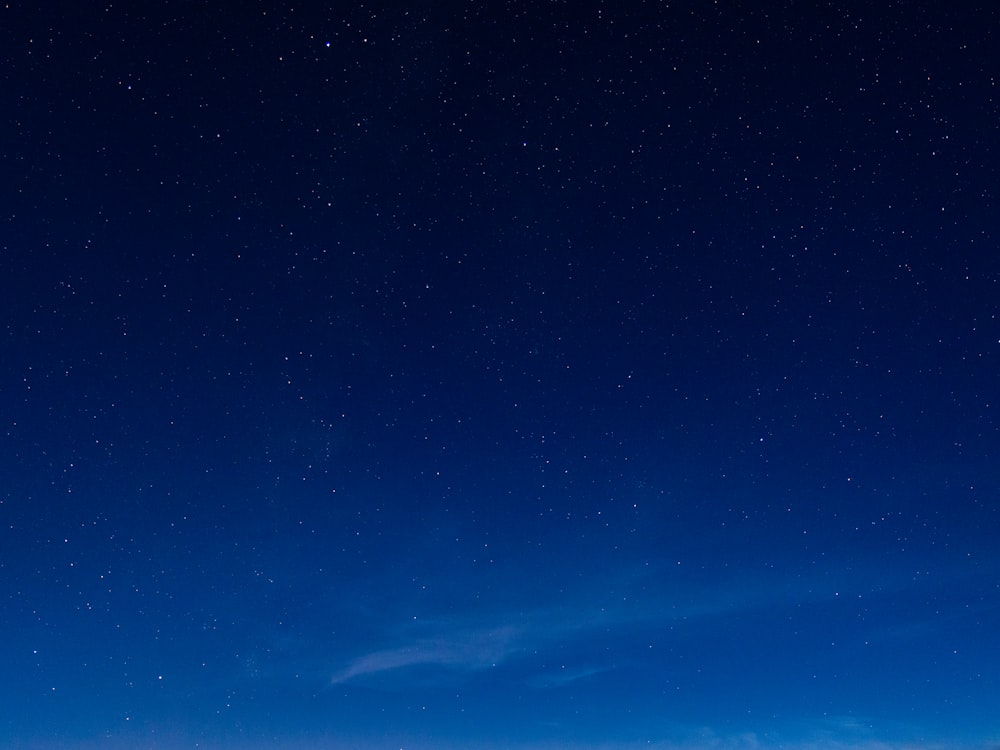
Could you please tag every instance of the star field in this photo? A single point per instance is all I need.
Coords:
(499, 375)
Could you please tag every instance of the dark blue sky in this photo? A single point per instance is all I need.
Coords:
(515, 375)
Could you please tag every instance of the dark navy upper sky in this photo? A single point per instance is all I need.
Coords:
(499, 375)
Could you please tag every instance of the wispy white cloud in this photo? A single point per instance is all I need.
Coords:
(479, 642)
(644, 601)
(469, 650)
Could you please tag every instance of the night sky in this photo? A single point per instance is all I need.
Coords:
(500, 375)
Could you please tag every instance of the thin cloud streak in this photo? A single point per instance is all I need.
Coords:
(471, 647)
(475, 644)
(469, 651)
